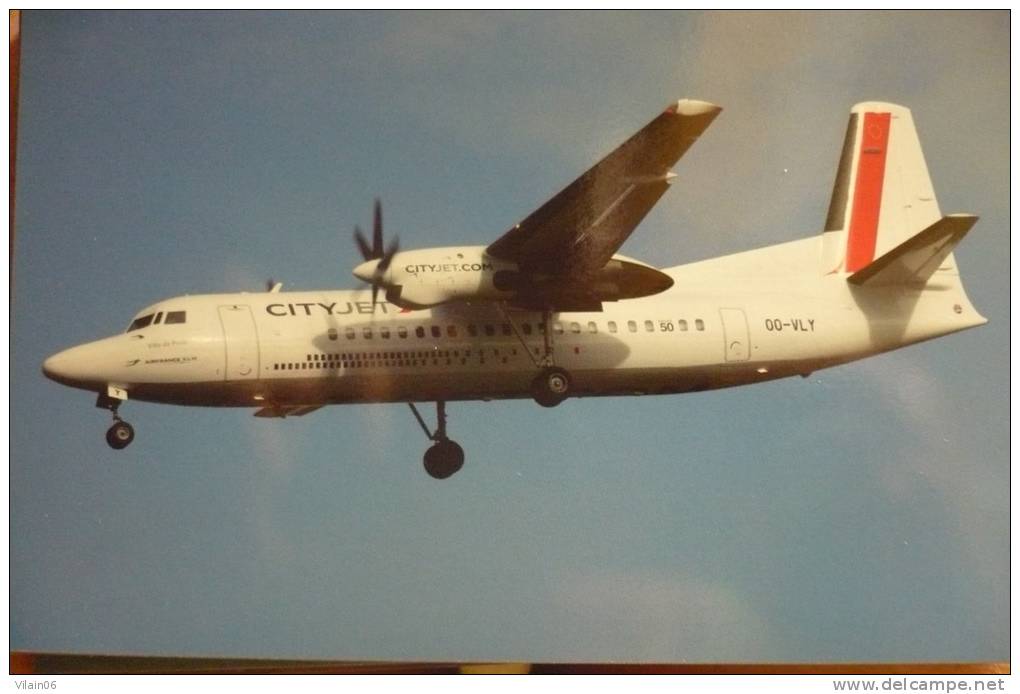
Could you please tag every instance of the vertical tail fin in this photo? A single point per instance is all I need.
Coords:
(883, 194)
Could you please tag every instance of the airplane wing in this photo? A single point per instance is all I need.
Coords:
(575, 234)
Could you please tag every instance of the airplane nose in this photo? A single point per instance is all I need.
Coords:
(55, 367)
(72, 367)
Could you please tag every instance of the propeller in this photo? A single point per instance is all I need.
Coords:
(384, 256)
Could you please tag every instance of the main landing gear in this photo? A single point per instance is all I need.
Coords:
(445, 456)
(121, 434)
(552, 384)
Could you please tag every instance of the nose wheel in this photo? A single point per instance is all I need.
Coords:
(445, 456)
(121, 434)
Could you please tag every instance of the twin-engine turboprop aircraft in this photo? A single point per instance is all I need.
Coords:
(550, 311)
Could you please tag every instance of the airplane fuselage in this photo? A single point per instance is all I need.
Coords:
(730, 321)
(550, 310)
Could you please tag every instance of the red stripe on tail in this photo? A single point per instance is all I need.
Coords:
(860, 247)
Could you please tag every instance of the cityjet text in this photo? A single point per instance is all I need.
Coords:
(342, 308)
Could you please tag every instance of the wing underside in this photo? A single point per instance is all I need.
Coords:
(576, 233)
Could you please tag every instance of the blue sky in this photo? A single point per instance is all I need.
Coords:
(860, 514)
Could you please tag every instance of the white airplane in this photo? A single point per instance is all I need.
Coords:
(550, 311)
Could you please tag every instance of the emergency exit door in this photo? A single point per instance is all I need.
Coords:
(240, 342)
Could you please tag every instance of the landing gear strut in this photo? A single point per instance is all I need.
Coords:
(552, 384)
(445, 456)
(121, 433)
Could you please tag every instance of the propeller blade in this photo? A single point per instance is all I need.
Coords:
(375, 294)
(387, 258)
(366, 251)
(377, 241)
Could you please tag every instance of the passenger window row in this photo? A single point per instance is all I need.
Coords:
(356, 360)
(505, 329)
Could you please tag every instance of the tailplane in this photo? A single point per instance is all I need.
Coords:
(915, 260)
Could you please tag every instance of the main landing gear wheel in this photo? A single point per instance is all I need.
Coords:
(551, 386)
(443, 459)
(445, 456)
(120, 435)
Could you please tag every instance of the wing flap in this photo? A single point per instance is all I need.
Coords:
(286, 410)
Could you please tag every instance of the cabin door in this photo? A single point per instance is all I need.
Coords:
(240, 342)
(738, 343)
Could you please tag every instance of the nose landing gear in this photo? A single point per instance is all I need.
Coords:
(445, 456)
(121, 434)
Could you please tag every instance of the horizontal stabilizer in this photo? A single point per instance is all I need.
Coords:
(917, 258)
(286, 411)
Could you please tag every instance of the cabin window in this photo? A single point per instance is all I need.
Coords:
(472, 330)
(699, 324)
(349, 333)
(451, 330)
(402, 333)
(526, 327)
(142, 322)
(592, 328)
(612, 326)
(419, 331)
(367, 332)
(632, 326)
(436, 331)
(384, 333)
(332, 334)
(683, 324)
(174, 317)
(490, 330)
(558, 328)
(507, 331)
(649, 326)
(575, 327)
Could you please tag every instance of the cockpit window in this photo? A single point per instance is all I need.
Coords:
(153, 319)
(142, 322)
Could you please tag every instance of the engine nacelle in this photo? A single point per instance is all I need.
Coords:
(433, 276)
